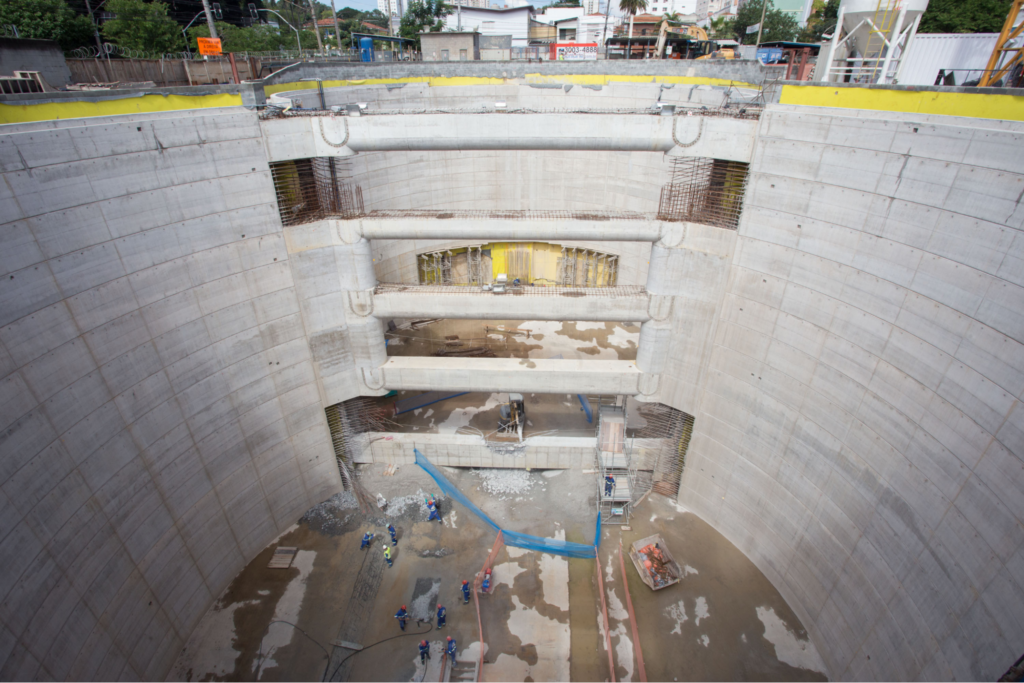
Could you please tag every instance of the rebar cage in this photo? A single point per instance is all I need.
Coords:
(312, 189)
(702, 190)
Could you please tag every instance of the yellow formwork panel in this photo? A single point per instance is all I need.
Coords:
(49, 111)
(971, 105)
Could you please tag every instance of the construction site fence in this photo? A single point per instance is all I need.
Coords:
(552, 546)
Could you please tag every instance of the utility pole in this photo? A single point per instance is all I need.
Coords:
(760, 26)
(316, 31)
(604, 33)
(337, 31)
(209, 18)
(96, 32)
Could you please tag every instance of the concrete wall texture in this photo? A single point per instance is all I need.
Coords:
(853, 354)
(860, 432)
(161, 418)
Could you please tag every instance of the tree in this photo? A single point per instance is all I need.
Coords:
(822, 20)
(720, 27)
(777, 25)
(423, 16)
(47, 20)
(965, 16)
(260, 38)
(142, 26)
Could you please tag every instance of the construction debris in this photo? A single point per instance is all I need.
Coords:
(504, 482)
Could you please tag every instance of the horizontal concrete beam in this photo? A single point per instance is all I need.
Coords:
(610, 304)
(528, 375)
(714, 137)
(491, 229)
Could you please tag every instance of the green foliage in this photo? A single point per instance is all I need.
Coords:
(778, 25)
(965, 16)
(260, 38)
(421, 16)
(720, 27)
(143, 26)
(824, 16)
(632, 7)
(47, 20)
(375, 17)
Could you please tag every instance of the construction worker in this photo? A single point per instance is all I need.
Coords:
(440, 615)
(451, 650)
(609, 484)
(432, 506)
(394, 534)
(367, 537)
(465, 592)
(424, 651)
(487, 581)
(387, 554)
(402, 617)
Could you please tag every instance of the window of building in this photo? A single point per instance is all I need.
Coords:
(444, 55)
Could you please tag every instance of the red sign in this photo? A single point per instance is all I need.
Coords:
(209, 46)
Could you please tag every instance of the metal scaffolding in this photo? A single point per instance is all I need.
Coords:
(702, 190)
(614, 459)
(312, 189)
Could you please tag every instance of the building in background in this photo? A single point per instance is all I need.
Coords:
(712, 9)
(513, 21)
(662, 7)
(470, 3)
(392, 9)
(450, 46)
(798, 9)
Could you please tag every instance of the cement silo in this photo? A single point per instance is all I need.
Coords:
(870, 39)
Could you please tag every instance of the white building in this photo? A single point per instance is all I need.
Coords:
(661, 7)
(470, 3)
(590, 28)
(391, 8)
(514, 21)
(711, 9)
(552, 14)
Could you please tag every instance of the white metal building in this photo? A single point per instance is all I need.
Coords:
(514, 21)
(960, 52)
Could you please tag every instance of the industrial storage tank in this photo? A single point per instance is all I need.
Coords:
(871, 39)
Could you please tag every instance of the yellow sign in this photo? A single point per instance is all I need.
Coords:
(209, 46)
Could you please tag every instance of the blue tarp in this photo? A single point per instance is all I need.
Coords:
(553, 546)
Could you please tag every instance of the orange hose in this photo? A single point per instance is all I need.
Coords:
(632, 620)
(604, 614)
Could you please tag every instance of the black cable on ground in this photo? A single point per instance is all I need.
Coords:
(430, 627)
(259, 656)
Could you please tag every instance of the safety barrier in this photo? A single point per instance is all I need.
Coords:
(553, 546)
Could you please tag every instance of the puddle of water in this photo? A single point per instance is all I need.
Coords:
(548, 636)
(701, 611)
(703, 640)
(288, 607)
(788, 648)
(677, 613)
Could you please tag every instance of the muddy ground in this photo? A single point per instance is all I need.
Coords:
(723, 621)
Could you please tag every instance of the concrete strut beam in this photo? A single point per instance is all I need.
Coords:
(477, 305)
(322, 136)
(610, 230)
(529, 375)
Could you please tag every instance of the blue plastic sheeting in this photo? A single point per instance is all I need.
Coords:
(513, 538)
(585, 402)
(426, 399)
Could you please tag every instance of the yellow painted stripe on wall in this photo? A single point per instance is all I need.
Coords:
(24, 113)
(972, 105)
(429, 80)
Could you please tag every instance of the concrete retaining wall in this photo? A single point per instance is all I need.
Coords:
(860, 432)
(161, 417)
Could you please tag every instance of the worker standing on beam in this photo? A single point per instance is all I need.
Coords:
(440, 615)
(424, 651)
(451, 650)
(387, 554)
(394, 534)
(465, 592)
(402, 617)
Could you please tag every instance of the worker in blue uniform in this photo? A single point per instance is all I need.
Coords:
(424, 651)
(402, 617)
(394, 534)
(465, 592)
(387, 554)
(441, 615)
(451, 650)
(609, 484)
(367, 537)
